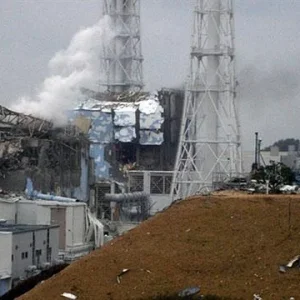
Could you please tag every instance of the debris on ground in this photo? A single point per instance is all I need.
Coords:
(124, 271)
(233, 250)
(282, 269)
(69, 296)
(189, 292)
(294, 262)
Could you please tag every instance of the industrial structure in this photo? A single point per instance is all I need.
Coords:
(24, 250)
(39, 231)
(126, 153)
(51, 221)
(122, 57)
(133, 140)
(78, 233)
(57, 159)
(209, 149)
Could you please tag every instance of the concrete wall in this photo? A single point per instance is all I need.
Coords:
(159, 202)
(162, 198)
(75, 225)
(32, 213)
(6, 241)
(43, 215)
(54, 243)
(82, 192)
(40, 246)
(8, 211)
(32, 243)
(22, 243)
(27, 213)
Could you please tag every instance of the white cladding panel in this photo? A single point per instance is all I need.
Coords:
(43, 216)
(8, 211)
(33, 251)
(54, 243)
(21, 246)
(5, 254)
(27, 213)
(75, 225)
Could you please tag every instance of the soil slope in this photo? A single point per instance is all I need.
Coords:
(228, 245)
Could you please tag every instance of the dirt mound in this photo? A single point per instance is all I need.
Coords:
(229, 246)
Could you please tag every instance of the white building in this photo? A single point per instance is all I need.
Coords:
(24, 250)
(266, 157)
(79, 233)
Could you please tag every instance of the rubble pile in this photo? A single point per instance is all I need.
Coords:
(227, 245)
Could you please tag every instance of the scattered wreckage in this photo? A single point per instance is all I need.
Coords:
(252, 186)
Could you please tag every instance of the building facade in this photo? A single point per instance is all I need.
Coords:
(25, 250)
(77, 235)
(132, 131)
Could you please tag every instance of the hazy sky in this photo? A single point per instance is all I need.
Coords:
(267, 41)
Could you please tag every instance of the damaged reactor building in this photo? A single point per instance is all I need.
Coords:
(45, 178)
(57, 159)
(133, 142)
(123, 152)
(113, 163)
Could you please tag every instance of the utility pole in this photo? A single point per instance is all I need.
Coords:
(122, 58)
(256, 151)
(259, 153)
(210, 138)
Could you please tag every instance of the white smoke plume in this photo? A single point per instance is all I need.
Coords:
(71, 69)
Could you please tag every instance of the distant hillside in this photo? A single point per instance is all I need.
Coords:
(284, 144)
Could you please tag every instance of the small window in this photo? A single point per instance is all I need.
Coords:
(16, 247)
(26, 254)
(38, 252)
(23, 255)
(12, 257)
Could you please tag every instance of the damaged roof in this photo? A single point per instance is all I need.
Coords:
(28, 123)
(118, 120)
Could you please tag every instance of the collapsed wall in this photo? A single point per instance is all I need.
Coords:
(57, 159)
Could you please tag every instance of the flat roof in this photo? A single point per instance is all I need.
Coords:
(41, 202)
(20, 228)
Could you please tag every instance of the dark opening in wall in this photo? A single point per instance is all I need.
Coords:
(126, 153)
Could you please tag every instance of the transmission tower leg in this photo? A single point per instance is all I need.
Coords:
(209, 149)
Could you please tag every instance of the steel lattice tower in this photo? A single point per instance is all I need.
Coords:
(209, 149)
(123, 56)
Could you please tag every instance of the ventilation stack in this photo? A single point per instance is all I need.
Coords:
(209, 150)
(123, 56)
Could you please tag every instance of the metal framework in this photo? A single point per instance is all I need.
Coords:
(122, 59)
(210, 138)
(24, 122)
